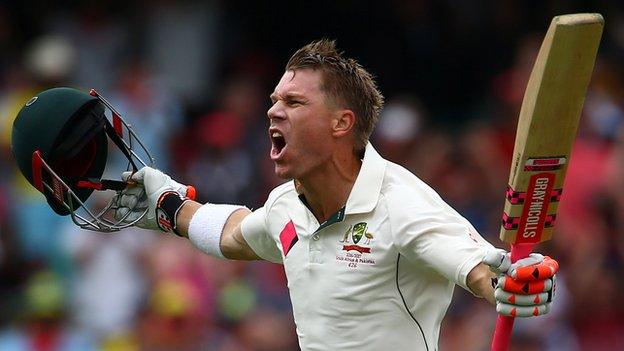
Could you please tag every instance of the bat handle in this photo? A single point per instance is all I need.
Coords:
(504, 324)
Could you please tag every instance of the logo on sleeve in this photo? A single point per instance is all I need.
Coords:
(355, 252)
(288, 237)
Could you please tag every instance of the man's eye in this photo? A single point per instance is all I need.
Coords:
(294, 102)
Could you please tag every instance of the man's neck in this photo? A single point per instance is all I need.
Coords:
(326, 191)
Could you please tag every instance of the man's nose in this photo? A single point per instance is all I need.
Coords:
(275, 112)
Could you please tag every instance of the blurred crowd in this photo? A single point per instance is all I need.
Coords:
(193, 78)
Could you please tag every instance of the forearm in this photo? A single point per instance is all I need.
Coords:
(232, 243)
(183, 220)
(479, 281)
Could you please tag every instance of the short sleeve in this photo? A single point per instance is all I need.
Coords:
(257, 236)
(441, 238)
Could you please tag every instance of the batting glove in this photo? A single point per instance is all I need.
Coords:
(524, 288)
(155, 191)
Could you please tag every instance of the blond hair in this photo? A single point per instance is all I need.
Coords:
(346, 82)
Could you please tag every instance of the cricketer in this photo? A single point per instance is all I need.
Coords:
(371, 253)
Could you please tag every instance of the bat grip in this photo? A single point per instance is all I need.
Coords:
(504, 324)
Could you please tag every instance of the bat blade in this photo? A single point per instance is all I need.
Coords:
(549, 119)
(547, 126)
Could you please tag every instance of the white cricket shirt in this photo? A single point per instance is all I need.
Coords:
(379, 274)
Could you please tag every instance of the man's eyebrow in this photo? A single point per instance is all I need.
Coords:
(294, 95)
(290, 95)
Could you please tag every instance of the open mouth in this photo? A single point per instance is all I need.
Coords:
(278, 144)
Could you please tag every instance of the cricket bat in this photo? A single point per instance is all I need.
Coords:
(549, 118)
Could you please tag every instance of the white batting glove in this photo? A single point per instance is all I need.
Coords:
(149, 185)
(524, 288)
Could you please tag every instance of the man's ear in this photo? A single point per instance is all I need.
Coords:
(343, 123)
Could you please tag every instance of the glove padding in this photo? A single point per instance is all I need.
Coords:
(524, 288)
(143, 192)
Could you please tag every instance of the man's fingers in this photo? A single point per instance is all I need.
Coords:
(522, 311)
(130, 204)
(128, 200)
(131, 196)
(126, 215)
(546, 269)
(520, 300)
(524, 287)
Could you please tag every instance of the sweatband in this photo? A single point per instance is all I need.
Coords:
(167, 208)
(206, 226)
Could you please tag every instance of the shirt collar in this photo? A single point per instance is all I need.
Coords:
(367, 188)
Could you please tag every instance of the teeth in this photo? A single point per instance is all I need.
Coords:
(277, 135)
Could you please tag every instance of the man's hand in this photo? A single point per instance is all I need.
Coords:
(143, 192)
(524, 288)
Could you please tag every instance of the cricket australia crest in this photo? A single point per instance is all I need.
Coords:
(352, 241)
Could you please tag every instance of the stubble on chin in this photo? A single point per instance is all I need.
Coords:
(282, 173)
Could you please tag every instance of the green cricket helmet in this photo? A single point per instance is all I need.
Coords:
(60, 141)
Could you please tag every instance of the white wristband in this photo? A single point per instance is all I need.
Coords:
(206, 226)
